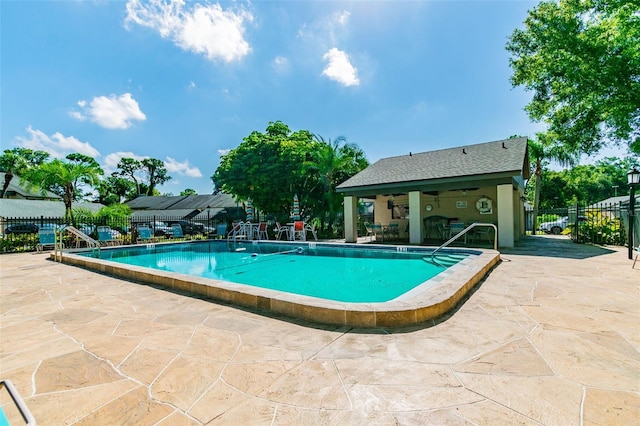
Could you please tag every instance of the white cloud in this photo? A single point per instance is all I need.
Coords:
(57, 145)
(224, 151)
(182, 168)
(280, 64)
(110, 112)
(341, 17)
(111, 161)
(339, 68)
(204, 29)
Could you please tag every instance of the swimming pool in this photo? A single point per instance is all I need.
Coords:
(427, 297)
(332, 273)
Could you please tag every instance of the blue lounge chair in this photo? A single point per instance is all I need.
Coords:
(177, 231)
(105, 236)
(221, 230)
(47, 237)
(145, 234)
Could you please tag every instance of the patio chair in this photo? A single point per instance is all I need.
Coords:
(105, 236)
(47, 238)
(221, 230)
(299, 231)
(455, 228)
(312, 229)
(177, 231)
(369, 229)
(145, 234)
(482, 232)
(280, 230)
(393, 230)
(377, 230)
(260, 231)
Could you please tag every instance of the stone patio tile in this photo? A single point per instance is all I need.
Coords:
(580, 357)
(254, 412)
(114, 349)
(69, 406)
(548, 400)
(72, 371)
(290, 415)
(490, 413)
(387, 398)
(132, 408)
(212, 344)
(178, 419)
(254, 378)
(313, 384)
(217, 400)
(33, 353)
(144, 364)
(184, 380)
(370, 371)
(610, 407)
(517, 358)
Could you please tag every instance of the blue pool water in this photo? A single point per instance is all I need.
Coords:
(329, 272)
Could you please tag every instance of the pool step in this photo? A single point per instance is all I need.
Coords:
(445, 260)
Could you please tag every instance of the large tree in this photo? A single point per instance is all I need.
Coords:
(16, 161)
(271, 167)
(146, 174)
(581, 60)
(542, 151)
(335, 161)
(65, 178)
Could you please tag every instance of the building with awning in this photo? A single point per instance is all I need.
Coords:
(470, 183)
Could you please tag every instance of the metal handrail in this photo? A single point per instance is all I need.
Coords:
(467, 229)
(78, 233)
(19, 402)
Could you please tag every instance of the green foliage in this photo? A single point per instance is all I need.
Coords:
(65, 178)
(581, 60)
(17, 160)
(588, 183)
(600, 229)
(271, 167)
(188, 191)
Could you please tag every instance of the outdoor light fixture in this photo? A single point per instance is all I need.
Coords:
(633, 178)
(208, 219)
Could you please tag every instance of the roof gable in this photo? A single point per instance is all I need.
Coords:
(509, 156)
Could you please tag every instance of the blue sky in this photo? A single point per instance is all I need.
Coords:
(186, 81)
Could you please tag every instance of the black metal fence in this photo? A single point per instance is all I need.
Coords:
(22, 233)
(598, 223)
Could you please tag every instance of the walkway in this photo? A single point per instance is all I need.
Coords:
(551, 337)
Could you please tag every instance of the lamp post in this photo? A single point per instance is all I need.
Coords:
(633, 178)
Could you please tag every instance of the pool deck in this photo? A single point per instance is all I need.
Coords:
(552, 336)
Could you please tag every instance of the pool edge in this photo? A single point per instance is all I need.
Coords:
(435, 301)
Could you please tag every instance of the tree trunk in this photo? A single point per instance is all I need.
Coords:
(7, 180)
(536, 197)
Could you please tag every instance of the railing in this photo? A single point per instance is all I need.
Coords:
(467, 229)
(91, 243)
(19, 403)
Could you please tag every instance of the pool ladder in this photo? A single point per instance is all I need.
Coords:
(463, 232)
(18, 402)
(91, 243)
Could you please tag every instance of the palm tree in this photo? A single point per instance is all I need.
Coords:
(65, 177)
(17, 160)
(541, 151)
(335, 162)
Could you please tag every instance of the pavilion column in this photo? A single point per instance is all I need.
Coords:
(506, 218)
(350, 219)
(415, 219)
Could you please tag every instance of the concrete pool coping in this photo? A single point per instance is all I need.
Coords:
(429, 300)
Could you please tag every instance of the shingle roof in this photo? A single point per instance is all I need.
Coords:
(181, 202)
(499, 157)
(16, 187)
(36, 208)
